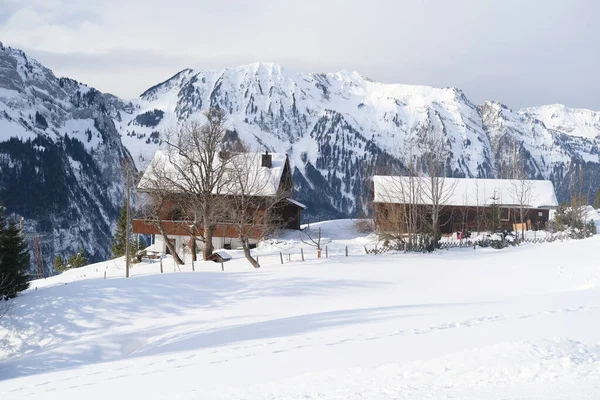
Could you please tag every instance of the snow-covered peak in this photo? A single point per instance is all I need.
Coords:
(573, 121)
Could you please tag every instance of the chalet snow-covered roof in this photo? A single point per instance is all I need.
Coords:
(467, 191)
(259, 180)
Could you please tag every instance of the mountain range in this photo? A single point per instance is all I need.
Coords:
(62, 143)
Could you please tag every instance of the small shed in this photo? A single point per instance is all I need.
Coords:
(219, 256)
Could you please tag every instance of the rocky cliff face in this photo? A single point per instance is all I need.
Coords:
(60, 157)
(338, 126)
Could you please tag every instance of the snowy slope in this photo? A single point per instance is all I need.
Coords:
(459, 324)
(337, 127)
(60, 157)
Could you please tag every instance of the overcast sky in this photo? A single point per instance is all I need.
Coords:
(522, 53)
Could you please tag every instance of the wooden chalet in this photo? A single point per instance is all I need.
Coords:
(273, 168)
(466, 202)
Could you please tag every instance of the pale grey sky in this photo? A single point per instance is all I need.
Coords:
(522, 53)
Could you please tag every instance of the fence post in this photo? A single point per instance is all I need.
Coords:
(326, 252)
(281, 257)
(161, 268)
(289, 256)
(302, 253)
(104, 275)
(193, 268)
(346, 251)
(222, 266)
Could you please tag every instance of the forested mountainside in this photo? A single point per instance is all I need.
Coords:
(60, 157)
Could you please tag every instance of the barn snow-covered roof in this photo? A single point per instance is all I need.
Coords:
(466, 191)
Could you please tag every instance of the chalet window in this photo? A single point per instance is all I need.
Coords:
(386, 213)
(176, 214)
(540, 214)
(504, 214)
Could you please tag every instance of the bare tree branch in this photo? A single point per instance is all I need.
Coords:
(314, 239)
(254, 196)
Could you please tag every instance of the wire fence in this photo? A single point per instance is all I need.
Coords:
(447, 244)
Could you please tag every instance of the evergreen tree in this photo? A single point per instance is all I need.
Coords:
(14, 264)
(560, 218)
(597, 199)
(77, 260)
(59, 263)
(120, 240)
(494, 215)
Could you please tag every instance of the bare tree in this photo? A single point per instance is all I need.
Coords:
(314, 239)
(399, 209)
(480, 210)
(436, 190)
(413, 204)
(37, 257)
(579, 195)
(196, 155)
(160, 200)
(254, 196)
(521, 189)
(522, 192)
(464, 211)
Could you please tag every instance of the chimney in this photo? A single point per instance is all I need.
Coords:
(267, 160)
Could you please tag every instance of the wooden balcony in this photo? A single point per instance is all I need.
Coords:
(182, 228)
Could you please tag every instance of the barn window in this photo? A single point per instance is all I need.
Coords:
(505, 214)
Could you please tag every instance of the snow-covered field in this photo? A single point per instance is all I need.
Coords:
(518, 323)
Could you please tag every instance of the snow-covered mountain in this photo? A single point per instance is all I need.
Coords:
(62, 143)
(60, 157)
(338, 126)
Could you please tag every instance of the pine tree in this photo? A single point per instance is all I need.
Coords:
(78, 260)
(59, 263)
(14, 264)
(119, 240)
(494, 214)
(597, 199)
